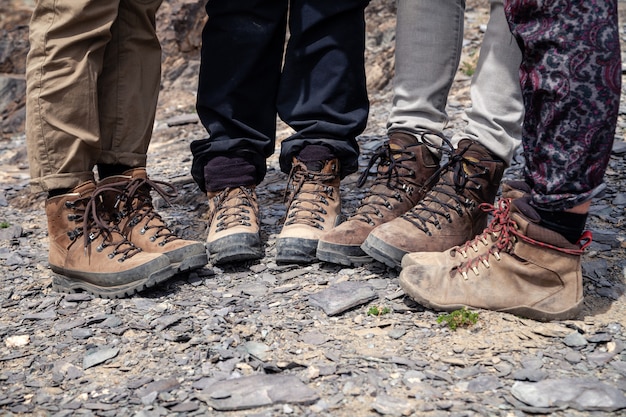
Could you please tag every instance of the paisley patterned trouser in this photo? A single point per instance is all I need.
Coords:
(571, 81)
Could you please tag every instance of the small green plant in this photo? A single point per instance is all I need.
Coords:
(4, 225)
(459, 318)
(377, 311)
(468, 68)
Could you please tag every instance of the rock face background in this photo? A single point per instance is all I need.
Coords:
(263, 339)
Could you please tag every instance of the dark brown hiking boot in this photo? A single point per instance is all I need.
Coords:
(91, 254)
(234, 225)
(128, 197)
(404, 167)
(314, 207)
(514, 266)
(449, 214)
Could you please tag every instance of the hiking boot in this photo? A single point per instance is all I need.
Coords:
(91, 254)
(404, 167)
(314, 207)
(449, 214)
(234, 225)
(517, 266)
(128, 197)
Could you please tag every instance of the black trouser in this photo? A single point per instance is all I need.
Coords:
(319, 91)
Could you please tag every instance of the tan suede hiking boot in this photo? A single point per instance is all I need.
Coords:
(128, 197)
(404, 167)
(314, 207)
(449, 214)
(90, 252)
(519, 267)
(234, 225)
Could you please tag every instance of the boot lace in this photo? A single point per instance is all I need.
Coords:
(449, 194)
(500, 236)
(229, 215)
(309, 196)
(133, 201)
(388, 183)
(96, 224)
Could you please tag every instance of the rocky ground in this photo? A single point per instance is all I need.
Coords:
(263, 339)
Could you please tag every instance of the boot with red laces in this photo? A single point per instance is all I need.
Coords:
(516, 265)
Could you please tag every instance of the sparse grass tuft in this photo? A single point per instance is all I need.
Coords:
(459, 318)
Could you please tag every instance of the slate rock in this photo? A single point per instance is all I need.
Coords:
(578, 393)
(96, 357)
(343, 296)
(257, 391)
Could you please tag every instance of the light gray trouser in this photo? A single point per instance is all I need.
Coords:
(92, 83)
(429, 38)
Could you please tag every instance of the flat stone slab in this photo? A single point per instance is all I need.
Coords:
(578, 393)
(342, 297)
(257, 391)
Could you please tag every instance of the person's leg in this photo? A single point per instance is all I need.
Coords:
(241, 58)
(68, 39)
(131, 74)
(429, 38)
(242, 50)
(495, 117)
(128, 87)
(528, 261)
(449, 212)
(424, 28)
(62, 70)
(323, 97)
(323, 93)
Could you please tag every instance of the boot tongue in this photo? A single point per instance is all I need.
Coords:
(400, 140)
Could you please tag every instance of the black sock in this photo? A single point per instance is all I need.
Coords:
(222, 172)
(570, 225)
(108, 170)
(314, 156)
(58, 191)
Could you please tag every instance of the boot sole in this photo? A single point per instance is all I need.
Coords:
(237, 247)
(520, 311)
(382, 252)
(296, 250)
(188, 258)
(69, 282)
(191, 263)
(342, 254)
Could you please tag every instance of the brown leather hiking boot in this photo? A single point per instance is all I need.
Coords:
(314, 207)
(128, 198)
(510, 190)
(91, 253)
(404, 167)
(449, 214)
(514, 266)
(234, 225)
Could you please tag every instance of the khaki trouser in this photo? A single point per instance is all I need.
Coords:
(93, 77)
